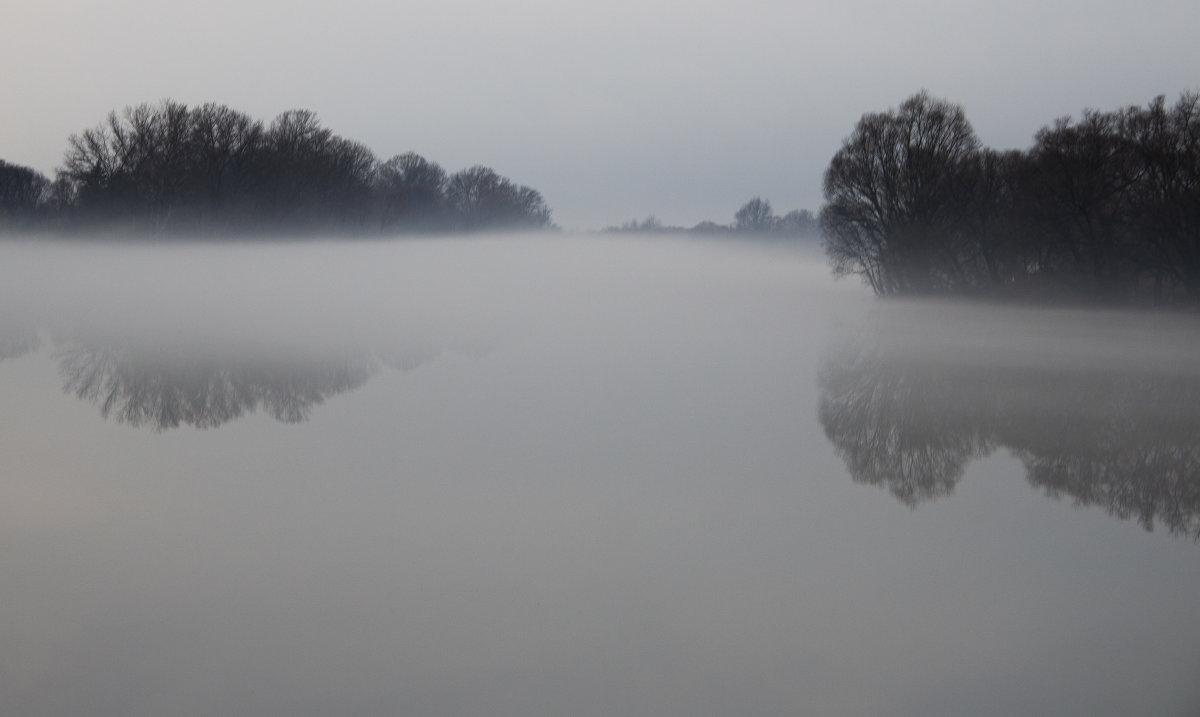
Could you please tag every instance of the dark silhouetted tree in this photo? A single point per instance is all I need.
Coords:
(1165, 199)
(997, 244)
(160, 167)
(411, 193)
(313, 178)
(481, 199)
(895, 197)
(224, 150)
(154, 169)
(24, 193)
(1082, 176)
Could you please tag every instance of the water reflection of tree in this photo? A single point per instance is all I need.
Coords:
(164, 392)
(866, 412)
(1126, 441)
(1128, 444)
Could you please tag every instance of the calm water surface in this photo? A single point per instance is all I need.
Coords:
(581, 476)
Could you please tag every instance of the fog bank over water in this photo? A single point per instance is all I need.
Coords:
(580, 475)
(314, 294)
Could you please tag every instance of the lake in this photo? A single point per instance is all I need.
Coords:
(581, 475)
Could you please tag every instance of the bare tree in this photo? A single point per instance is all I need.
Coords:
(482, 199)
(410, 191)
(755, 217)
(224, 148)
(23, 192)
(313, 179)
(1165, 201)
(1083, 172)
(160, 168)
(894, 196)
(997, 247)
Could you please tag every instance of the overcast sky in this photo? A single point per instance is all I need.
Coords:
(613, 110)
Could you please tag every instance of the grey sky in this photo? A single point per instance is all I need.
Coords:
(613, 110)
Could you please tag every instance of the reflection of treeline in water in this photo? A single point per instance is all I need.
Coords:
(171, 383)
(170, 168)
(1126, 441)
(165, 389)
(167, 393)
(1106, 206)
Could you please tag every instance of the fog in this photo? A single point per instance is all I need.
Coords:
(545, 475)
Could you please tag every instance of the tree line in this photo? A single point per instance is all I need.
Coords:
(755, 218)
(168, 168)
(1103, 207)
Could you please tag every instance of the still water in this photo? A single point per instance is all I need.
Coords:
(581, 476)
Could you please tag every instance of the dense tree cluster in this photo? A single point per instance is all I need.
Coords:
(23, 195)
(1104, 207)
(170, 168)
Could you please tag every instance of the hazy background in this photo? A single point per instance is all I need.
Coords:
(612, 110)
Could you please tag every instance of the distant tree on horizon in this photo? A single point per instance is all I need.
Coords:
(799, 221)
(755, 217)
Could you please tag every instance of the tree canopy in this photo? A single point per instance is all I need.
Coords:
(1106, 206)
(167, 168)
(23, 192)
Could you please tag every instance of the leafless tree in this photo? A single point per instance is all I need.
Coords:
(23, 192)
(755, 217)
(481, 199)
(894, 197)
(410, 191)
